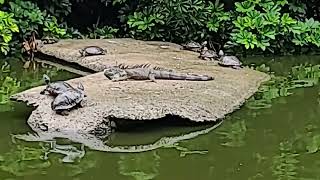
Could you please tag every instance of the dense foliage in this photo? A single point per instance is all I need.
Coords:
(243, 26)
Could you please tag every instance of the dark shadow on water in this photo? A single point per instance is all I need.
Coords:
(149, 125)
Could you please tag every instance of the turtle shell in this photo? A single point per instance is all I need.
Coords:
(67, 99)
(208, 54)
(57, 87)
(192, 46)
(230, 61)
(92, 50)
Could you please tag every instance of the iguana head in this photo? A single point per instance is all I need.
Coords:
(113, 72)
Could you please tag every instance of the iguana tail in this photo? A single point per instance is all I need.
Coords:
(178, 76)
(146, 65)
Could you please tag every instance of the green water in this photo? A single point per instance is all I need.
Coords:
(276, 135)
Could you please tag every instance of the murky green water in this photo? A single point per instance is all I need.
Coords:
(274, 136)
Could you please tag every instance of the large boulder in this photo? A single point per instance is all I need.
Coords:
(143, 100)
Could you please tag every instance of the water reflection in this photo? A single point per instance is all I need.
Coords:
(278, 141)
(142, 166)
(286, 163)
(96, 143)
(300, 76)
(233, 133)
(24, 160)
(13, 78)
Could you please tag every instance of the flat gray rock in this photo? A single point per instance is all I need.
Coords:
(143, 100)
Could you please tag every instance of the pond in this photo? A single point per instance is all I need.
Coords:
(275, 135)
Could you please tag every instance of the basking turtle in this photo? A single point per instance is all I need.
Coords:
(207, 54)
(194, 46)
(229, 61)
(92, 51)
(68, 100)
(55, 88)
(49, 40)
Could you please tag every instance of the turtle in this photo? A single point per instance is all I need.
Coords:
(55, 88)
(92, 51)
(229, 61)
(207, 54)
(194, 46)
(68, 100)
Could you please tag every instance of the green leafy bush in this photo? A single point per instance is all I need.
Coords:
(31, 18)
(8, 26)
(262, 24)
(246, 26)
(178, 21)
(23, 17)
(102, 33)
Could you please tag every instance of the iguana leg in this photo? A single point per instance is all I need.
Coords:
(236, 67)
(119, 79)
(63, 112)
(82, 103)
(152, 77)
(43, 91)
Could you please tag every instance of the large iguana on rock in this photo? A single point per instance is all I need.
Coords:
(145, 72)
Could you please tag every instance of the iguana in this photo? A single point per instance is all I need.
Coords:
(145, 72)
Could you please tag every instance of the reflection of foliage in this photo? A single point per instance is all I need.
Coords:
(235, 133)
(13, 80)
(77, 161)
(8, 87)
(72, 154)
(81, 167)
(24, 161)
(284, 166)
(307, 141)
(140, 166)
(300, 76)
(185, 151)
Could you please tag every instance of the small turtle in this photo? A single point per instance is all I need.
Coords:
(91, 51)
(55, 88)
(68, 100)
(49, 40)
(194, 46)
(207, 54)
(229, 61)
